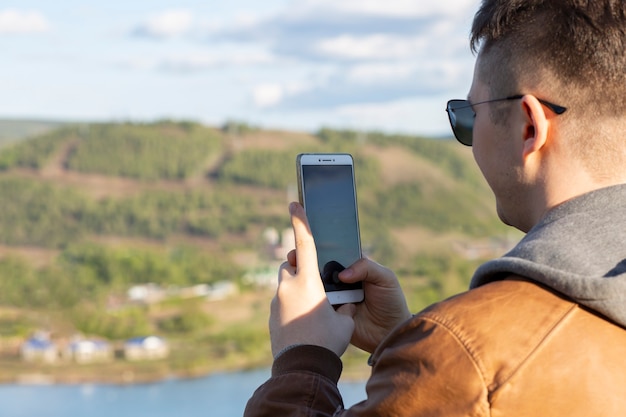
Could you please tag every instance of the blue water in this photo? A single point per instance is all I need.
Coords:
(223, 395)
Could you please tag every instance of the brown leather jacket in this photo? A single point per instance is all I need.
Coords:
(509, 348)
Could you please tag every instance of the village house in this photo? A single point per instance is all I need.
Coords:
(146, 293)
(221, 290)
(39, 348)
(146, 348)
(85, 351)
(153, 293)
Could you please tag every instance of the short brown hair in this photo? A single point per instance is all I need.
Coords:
(579, 44)
(573, 53)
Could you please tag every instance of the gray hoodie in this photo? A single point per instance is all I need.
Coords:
(577, 249)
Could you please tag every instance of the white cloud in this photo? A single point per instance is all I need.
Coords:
(377, 113)
(199, 61)
(246, 19)
(332, 53)
(13, 21)
(372, 47)
(356, 30)
(370, 83)
(375, 73)
(167, 24)
(308, 62)
(388, 8)
(372, 52)
(137, 64)
(272, 94)
(202, 61)
(415, 115)
(268, 95)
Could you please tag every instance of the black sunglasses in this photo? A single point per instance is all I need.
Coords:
(461, 114)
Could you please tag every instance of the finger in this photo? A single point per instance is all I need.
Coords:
(306, 253)
(347, 310)
(367, 270)
(291, 257)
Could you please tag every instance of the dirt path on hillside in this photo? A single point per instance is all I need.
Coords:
(102, 186)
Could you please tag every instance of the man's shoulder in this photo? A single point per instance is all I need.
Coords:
(501, 323)
(482, 335)
(520, 335)
(511, 299)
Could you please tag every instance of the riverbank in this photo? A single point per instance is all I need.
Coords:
(115, 372)
(14, 371)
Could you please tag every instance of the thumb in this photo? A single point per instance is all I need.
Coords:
(305, 252)
(347, 310)
(368, 271)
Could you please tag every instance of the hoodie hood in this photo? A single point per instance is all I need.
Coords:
(578, 249)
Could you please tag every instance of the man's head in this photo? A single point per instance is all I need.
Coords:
(569, 52)
(577, 44)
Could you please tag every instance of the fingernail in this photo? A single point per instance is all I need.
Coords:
(292, 207)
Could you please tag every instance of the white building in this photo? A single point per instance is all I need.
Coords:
(85, 351)
(146, 348)
(39, 348)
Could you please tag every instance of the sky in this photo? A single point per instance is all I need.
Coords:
(387, 65)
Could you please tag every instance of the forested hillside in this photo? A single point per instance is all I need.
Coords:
(89, 210)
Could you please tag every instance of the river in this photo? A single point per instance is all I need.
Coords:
(222, 395)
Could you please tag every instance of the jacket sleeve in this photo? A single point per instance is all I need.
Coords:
(304, 379)
(424, 368)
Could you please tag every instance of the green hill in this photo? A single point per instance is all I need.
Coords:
(89, 210)
(189, 179)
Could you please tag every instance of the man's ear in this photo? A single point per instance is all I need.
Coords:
(536, 125)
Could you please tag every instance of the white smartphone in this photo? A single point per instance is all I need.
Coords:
(327, 190)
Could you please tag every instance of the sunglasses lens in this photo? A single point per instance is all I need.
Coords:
(461, 117)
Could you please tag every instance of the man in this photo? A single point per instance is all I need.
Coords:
(542, 330)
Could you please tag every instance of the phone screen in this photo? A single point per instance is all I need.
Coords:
(330, 203)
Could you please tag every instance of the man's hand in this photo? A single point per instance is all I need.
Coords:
(300, 312)
(384, 306)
